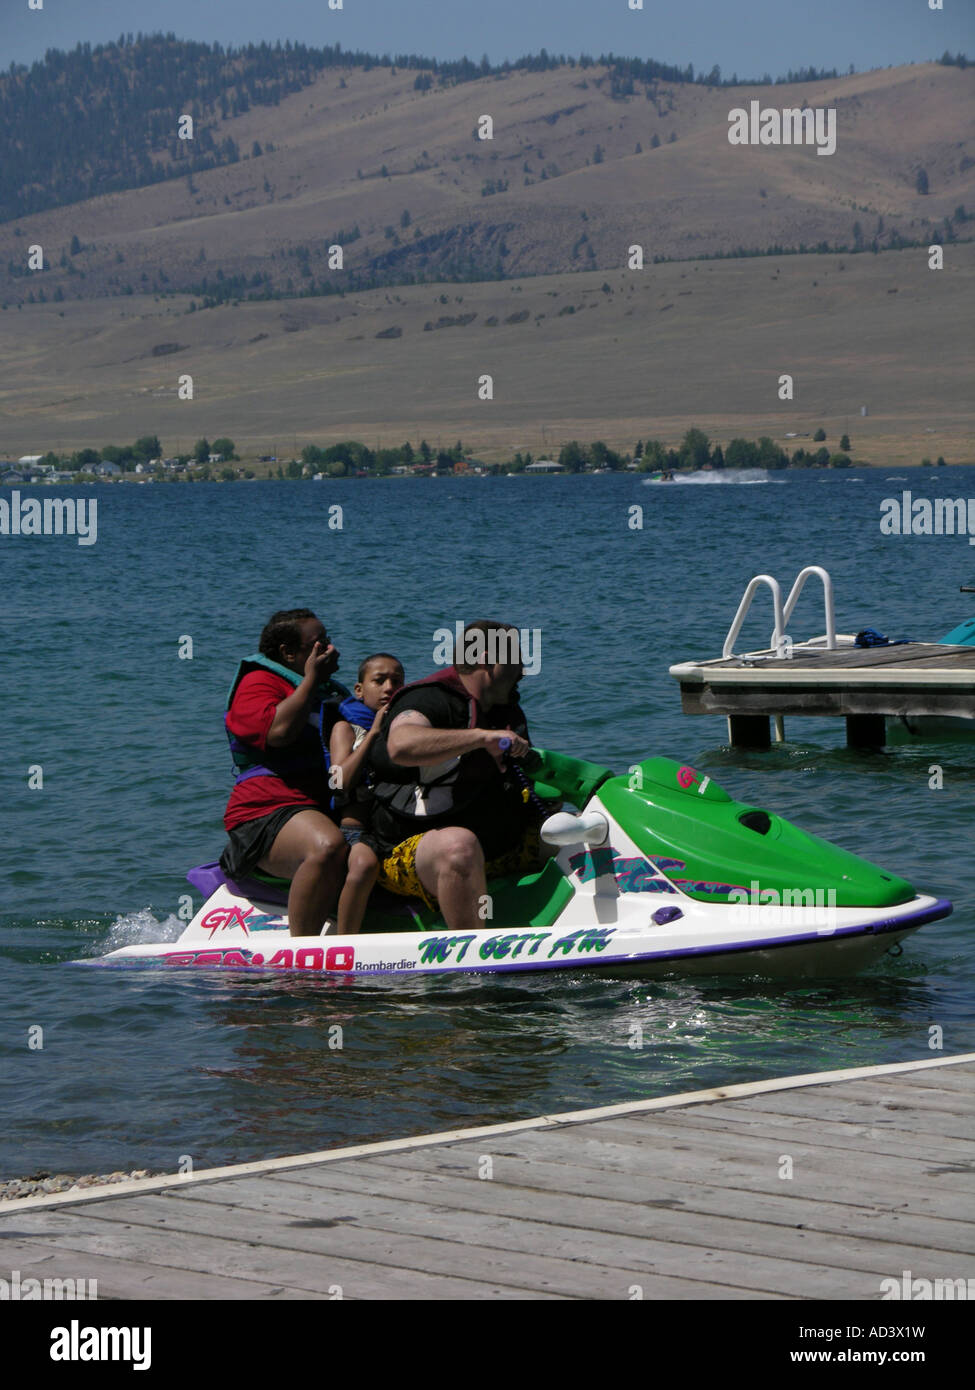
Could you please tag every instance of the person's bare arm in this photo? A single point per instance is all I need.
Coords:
(351, 760)
(291, 715)
(413, 741)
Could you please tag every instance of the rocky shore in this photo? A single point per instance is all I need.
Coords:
(42, 1183)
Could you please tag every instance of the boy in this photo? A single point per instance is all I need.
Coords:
(380, 676)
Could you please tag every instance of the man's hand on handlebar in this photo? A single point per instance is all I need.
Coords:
(503, 744)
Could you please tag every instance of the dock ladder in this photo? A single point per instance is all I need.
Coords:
(781, 645)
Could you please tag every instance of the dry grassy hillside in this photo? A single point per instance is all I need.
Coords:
(564, 206)
(655, 351)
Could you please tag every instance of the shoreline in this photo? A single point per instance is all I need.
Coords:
(496, 471)
(44, 1184)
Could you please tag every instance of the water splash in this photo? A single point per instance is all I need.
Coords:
(139, 929)
(741, 476)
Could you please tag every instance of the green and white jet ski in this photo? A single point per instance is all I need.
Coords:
(656, 872)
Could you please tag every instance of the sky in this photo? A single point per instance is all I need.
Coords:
(749, 37)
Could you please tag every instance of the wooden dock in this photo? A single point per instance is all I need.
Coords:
(804, 1187)
(865, 685)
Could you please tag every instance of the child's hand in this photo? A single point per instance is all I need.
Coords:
(377, 722)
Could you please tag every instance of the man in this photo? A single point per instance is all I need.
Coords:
(447, 813)
(277, 817)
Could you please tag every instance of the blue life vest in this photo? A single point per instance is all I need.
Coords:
(357, 713)
(308, 753)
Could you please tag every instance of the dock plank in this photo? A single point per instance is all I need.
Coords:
(491, 1212)
(426, 1253)
(609, 1200)
(921, 655)
(684, 1198)
(725, 1164)
(820, 1163)
(910, 680)
(510, 1227)
(578, 1265)
(779, 1125)
(946, 1080)
(124, 1279)
(738, 1187)
(952, 1124)
(200, 1256)
(739, 1178)
(923, 1098)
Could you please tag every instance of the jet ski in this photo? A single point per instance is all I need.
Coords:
(928, 727)
(655, 872)
(961, 636)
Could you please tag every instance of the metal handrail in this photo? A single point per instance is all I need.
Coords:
(782, 612)
(796, 590)
(746, 603)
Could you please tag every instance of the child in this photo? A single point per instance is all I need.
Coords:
(362, 717)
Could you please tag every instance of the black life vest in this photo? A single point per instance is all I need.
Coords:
(435, 795)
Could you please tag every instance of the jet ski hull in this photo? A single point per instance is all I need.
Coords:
(233, 933)
(662, 873)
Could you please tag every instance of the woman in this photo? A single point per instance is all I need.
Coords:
(278, 817)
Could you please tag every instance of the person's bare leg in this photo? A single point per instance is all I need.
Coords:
(450, 865)
(309, 849)
(359, 883)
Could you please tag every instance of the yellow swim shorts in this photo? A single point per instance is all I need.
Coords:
(398, 870)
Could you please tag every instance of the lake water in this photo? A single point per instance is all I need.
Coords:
(138, 1069)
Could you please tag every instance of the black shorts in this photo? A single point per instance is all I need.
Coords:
(253, 840)
(360, 835)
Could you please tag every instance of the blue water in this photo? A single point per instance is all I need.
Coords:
(138, 1069)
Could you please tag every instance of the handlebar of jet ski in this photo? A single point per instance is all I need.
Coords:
(504, 746)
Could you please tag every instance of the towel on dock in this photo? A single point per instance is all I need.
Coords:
(870, 637)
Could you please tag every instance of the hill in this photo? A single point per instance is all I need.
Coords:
(359, 156)
(618, 356)
(104, 118)
(465, 257)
